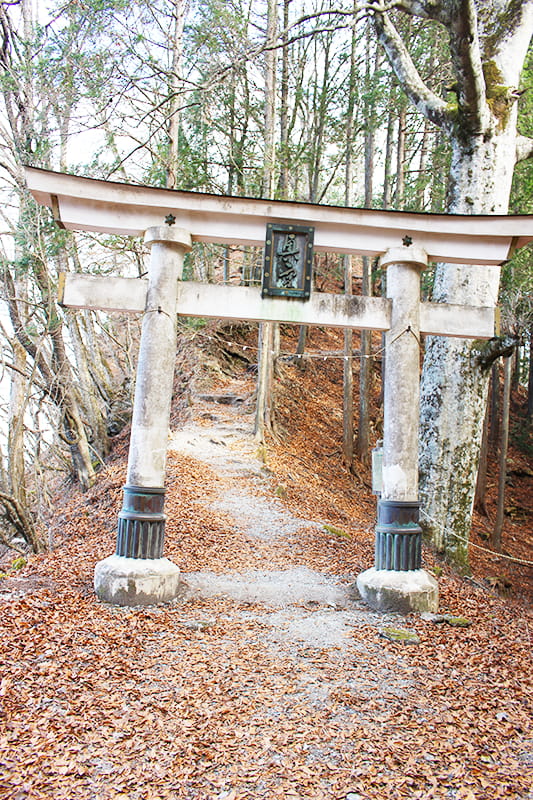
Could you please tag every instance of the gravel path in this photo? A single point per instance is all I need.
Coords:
(299, 604)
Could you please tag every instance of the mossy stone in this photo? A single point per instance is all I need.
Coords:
(400, 635)
(457, 622)
(336, 531)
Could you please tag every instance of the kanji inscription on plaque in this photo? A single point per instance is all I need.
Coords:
(288, 262)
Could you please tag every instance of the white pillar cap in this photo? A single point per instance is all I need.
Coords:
(408, 254)
(168, 235)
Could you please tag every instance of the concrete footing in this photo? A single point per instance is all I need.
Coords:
(401, 591)
(136, 581)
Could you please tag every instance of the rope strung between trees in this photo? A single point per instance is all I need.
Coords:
(493, 553)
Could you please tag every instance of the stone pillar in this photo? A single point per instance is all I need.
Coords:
(138, 574)
(397, 582)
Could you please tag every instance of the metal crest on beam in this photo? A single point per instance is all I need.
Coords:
(288, 261)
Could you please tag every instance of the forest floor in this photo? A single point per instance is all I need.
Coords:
(268, 677)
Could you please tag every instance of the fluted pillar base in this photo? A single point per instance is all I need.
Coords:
(398, 536)
(141, 523)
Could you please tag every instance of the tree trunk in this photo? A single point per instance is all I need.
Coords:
(75, 434)
(270, 98)
(400, 160)
(494, 430)
(454, 387)
(423, 183)
(89, 373)
(18, 402)
(347, 404)
(93, 412)
(502, 463)
(302, 339)
(175, 91)
(365, 374)
(365, 363)
(19, 520)
(481, 482)
(388, 162)
(515, 383)
(264, 413)
(283, 185)
(347, 373)
(530, 378)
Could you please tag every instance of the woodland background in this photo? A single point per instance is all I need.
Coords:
(203, 699)
(292, 100)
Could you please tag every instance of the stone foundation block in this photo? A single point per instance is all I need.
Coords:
(400, 591)
(136, 581)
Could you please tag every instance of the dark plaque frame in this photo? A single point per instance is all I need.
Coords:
(288, 261)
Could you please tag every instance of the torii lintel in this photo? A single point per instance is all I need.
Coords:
(88, 204)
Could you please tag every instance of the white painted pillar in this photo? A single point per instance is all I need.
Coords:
(397, 582)
(138, 574)
(402, 374)
(157, 356)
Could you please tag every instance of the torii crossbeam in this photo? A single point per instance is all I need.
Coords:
(138, 573)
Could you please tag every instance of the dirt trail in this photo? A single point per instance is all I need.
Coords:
(317, 608)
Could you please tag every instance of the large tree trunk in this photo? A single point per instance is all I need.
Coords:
(454, 386)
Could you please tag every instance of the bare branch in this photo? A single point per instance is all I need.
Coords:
(486, 354)
(22, 523)
(426, 101)
(29, 377)
(438, 10)
(144, 143)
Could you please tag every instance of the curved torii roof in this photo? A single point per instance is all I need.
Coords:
(88, 204)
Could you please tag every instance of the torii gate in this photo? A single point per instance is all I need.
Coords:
(138, 573)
